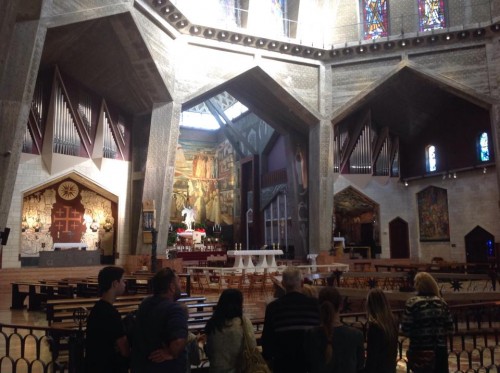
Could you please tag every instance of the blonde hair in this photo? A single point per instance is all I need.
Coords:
(425, 284)
(379, 312)
(329, 300)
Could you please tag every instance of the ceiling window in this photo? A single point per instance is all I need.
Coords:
(431, 15)
(484, 147)
(201, 117)
(431, 159)
(375, 19)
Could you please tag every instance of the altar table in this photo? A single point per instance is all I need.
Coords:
(243, 259)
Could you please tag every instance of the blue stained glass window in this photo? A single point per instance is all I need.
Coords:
(484, 147)
(431, 158)
(431, 14)
(375, 19)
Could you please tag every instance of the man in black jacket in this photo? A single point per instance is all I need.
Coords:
(287, 318)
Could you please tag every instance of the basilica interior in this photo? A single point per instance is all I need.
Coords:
(148, 133)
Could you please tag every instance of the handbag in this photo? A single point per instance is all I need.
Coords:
(252, 360)
(421, 360)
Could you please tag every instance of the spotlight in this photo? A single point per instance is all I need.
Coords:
(479, 32)
(159, 2)
(406, 183)
(432, 39)
(389, 45)
(261, 42)
(209, 33)
(447, 37)
(361, 49)
(296, 50)
(307, 51)
(285, 47)
(463, 34)
(484, 170)
(417, 41)
(444, 177)
(454, 175)
(195, 30)
(318, 54)
(222, 35)
(248, 40)
(168, 10)
(236, 37)
(347, 51)
(374, 47)
(402, 43)
(334, 53)
(495, 27)
(181, 24)
(272, 45)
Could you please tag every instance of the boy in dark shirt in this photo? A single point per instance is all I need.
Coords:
(106, 345)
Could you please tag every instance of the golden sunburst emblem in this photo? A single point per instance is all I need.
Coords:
(68, 190)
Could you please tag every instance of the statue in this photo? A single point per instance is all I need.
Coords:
(189, 218)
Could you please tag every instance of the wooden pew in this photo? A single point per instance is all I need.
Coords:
(38, 292)
(60, 312)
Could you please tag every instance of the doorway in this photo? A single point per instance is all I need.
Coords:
(479, 246)
(399, 241)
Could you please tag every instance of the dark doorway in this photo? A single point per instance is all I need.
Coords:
(479, 246)
(399, 239)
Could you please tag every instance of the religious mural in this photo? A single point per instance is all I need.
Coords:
(433, 214)
(67, 212)
(204, 181)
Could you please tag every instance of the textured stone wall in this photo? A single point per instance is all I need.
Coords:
(472, 201)
(112, 176)
(351, 79)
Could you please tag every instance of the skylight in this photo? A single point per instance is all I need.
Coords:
(200, 117)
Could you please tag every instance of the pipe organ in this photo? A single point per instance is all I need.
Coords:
(66, 137)
(383, 161)
(360, 161)
(109, 146)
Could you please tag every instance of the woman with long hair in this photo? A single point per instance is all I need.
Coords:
(427, 322)
(382, 335)
(225, 330)
(333, 347)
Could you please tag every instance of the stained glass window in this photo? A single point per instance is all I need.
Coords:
(431, 158)
(484, 148)
(375, 19)
(431, 14)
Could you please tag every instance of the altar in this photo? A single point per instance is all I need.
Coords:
(243, 259)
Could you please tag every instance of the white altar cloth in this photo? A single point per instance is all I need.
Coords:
(69, 245)
(243, 259)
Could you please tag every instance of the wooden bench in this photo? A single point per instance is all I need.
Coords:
(60, 312)
(38, 293)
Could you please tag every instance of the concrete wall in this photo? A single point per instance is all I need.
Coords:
(113, 176)
(472, 201)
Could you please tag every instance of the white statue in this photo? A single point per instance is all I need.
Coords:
(189, 218)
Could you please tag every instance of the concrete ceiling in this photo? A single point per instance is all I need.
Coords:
(108, 56)
(409, 102)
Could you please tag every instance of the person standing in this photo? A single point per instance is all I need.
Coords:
(427, 322)
(382, 335)
(286, 320)
(333, 347)
(106, 344)
(161, 332)
(225, 333)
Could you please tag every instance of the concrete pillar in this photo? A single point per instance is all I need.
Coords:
(321, 170)
(160, 167)
(19, 70)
